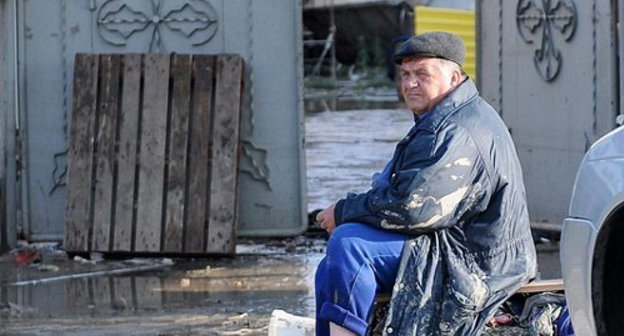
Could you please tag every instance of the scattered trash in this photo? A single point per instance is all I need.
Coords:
(83, 260)
(185, 282)
(502, 318)
(543, 320)
(96, 257)
(148, 261)
(282, 323)
(201, 273)
(26, 257)
(48, 268)
(539, 314)
(138, 261)
(541, 299)
(14, 310)
(26, 254)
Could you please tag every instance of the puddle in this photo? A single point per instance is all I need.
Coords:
(347, 103)
(344, 149)
(200, 297)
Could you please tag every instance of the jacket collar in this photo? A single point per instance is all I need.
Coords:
(461, 95)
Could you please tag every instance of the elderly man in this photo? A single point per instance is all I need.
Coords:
(444, 227)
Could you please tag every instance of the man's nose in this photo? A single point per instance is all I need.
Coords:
(412, 82)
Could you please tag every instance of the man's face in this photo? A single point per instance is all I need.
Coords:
(424, 82)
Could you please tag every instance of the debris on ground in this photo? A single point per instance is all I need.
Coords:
(14, 310)
(48, 268)
(282, 323)
(532, 315)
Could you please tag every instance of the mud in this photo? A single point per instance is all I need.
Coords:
(231, 296)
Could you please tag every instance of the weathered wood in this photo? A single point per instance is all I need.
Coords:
(152, 153)
(80, 154)
(199, 156)
(105, 157)
(536, 286)
(154, 169)
(225, 147)
(128, 131)
(178, 146)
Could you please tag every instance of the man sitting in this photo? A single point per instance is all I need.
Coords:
(444, 227)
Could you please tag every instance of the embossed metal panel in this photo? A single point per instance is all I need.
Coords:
(266, 33)
(549, 68)
(8, 119)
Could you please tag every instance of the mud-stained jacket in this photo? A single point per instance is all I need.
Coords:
(455, 187)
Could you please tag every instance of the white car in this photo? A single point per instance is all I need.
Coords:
(592, 241)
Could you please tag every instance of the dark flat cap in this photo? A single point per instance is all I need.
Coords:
(435, 44)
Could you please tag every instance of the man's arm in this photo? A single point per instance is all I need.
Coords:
(430, 191)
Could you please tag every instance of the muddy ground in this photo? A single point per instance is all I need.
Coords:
(346, 142)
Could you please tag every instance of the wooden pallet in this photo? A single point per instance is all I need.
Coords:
(154, 151)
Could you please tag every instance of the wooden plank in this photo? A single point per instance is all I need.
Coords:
(152, 153)
(225, 147)
(80, 154)
(105, 144)
(128, 131)
(178, 146)
(536, 286)
(199, 154)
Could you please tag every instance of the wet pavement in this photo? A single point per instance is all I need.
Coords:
(346, 142)
(225, 296)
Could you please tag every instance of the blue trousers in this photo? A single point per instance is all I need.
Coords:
(360, 262)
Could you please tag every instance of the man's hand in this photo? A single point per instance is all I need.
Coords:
(326, 218)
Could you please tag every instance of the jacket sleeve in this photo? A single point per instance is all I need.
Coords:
(438, 181)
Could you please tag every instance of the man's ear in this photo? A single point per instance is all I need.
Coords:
(455, 78)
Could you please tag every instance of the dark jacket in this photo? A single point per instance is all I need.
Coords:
(456, 189)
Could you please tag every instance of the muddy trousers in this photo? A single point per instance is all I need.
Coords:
(360, 262)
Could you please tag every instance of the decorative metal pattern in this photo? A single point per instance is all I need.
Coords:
(254, 163)
(254, 160)
(60, 158)
(196, 20)
(543, 17)
(250, 69)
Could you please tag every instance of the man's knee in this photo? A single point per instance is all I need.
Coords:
(343, 241)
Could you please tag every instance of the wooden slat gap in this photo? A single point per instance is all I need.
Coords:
(94, 154)
(120, 82)
(137, 166)
(163, 217)
(187, 173)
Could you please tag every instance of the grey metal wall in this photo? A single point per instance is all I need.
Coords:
(8, 115)
(267, 33)
(553, 78)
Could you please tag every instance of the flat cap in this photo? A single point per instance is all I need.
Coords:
(434, 44)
